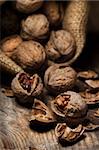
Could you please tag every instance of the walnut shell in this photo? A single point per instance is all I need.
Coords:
(9, 44)
(30, 55)
(59, 78)
(71, 106)
(35, 26)
(41, 114)
(28, 6)
(54, 12)
(89, 74)
(61, 46)
(25, 87)
(66, 134)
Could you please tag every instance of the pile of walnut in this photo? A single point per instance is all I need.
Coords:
(56, 93)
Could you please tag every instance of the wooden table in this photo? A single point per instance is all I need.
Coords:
(15, 133)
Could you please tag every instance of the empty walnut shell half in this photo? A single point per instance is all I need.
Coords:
(61, 46)
(59, 78)
(71, 106)
(28, 6)
(41, 114)
(89, 97)
(89, 74)
(26, 87)
(93, 83)
(30, 55)
(66, 134)
(35, 27)
(9, 44)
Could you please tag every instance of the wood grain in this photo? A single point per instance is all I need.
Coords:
(15, 133)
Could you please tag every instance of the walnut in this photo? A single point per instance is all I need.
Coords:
(59, 78)
(71, 106)
(26, 87)
(9, 44)
(28, 6)
(30, 55)
(41, 114)
(35, 26)
(54, 12)
(66, 134)
(61, 46)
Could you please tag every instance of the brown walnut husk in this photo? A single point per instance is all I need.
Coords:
(30, 55)
(28, 6)
(61, 46)
(54, 12)
(35, 27)
(9, 44)
(59, 78)
(71, 106)
(25, 87)
(41, 114)
(66, 134)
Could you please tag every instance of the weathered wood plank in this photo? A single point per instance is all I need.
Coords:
(15, 133)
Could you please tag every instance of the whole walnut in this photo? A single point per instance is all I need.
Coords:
(28, 6)
(9, 44)
(35, 26)
(54, 12)
(59, 78)
(30, 55)
(61, 46)
(26, 87)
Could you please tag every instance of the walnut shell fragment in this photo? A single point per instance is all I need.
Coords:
(61, 46)
(9, 44)
(89, 74)
(93, 83)
(89, 97)
(59, 78)
(93, 116)
(30, 55)
(54, 12)
(66, 134)
(41, 114)
(26, 87)
(35, 27)
(89, 126)
(71, 106)
(28, 6)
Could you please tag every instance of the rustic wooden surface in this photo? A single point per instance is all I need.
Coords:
(15, 133)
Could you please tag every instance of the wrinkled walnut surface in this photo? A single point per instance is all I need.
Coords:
(30, 55)
(61, 46)
(59, 78)
(35, 26)
(28, 6)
